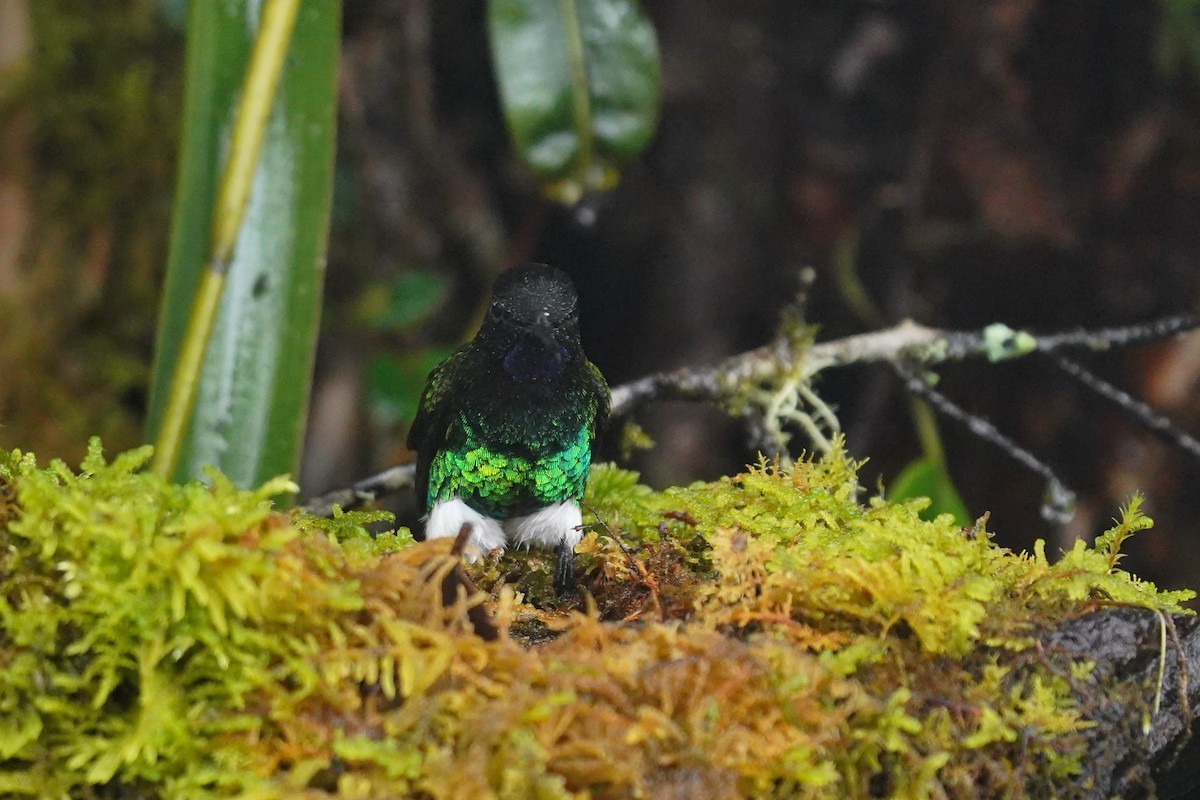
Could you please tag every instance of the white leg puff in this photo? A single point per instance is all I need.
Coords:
(447, 518)
(545, 528)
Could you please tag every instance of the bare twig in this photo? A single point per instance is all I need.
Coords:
(368, 490)
(1059, 501)
(457, 584)
(1138, 411)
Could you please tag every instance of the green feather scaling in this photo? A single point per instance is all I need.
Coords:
(503, 484)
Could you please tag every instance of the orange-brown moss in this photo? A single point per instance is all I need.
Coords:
(762, 636)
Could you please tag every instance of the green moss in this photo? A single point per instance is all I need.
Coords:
(349, 529)
(783, 640)
(155, 634)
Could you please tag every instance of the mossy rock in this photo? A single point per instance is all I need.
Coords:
(766, 635)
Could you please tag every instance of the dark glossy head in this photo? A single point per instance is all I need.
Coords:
(533, 295)
(534, 321)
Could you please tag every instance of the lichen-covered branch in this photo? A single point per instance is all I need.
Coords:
(906, 343)
(770, 387)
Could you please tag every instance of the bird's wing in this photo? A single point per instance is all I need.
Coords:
(428, 432)
(602, 398)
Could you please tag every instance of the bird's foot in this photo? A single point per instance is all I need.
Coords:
(564, 569)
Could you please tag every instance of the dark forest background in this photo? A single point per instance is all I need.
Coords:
(963, 162)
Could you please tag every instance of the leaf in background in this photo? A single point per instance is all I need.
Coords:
(250, 410)
(926, 477)
(579, 81)
(174, 12)
(412, 297)
(394, 384)
(1178, 48)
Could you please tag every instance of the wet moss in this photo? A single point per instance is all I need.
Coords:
(766, 635)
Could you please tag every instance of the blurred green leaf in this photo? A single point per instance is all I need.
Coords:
(175, 12)
(926, 477)
(579, 81)
(1178, 47)
(252, 402)
(412, 297)
(394, 383)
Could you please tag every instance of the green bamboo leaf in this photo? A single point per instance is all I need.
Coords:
(927, 477)
(249, 413)
(579, 82)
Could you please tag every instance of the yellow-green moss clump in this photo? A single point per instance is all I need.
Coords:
(762, 636)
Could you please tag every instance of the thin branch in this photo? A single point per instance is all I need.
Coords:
(907, 342)
(1059, 501)
(1108, 338)
(779, 375)
(456, 579)
(1138, 411)
(368, 490)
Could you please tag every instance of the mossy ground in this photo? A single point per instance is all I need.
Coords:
(767, 635)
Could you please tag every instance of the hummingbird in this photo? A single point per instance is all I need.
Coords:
(505, 427)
